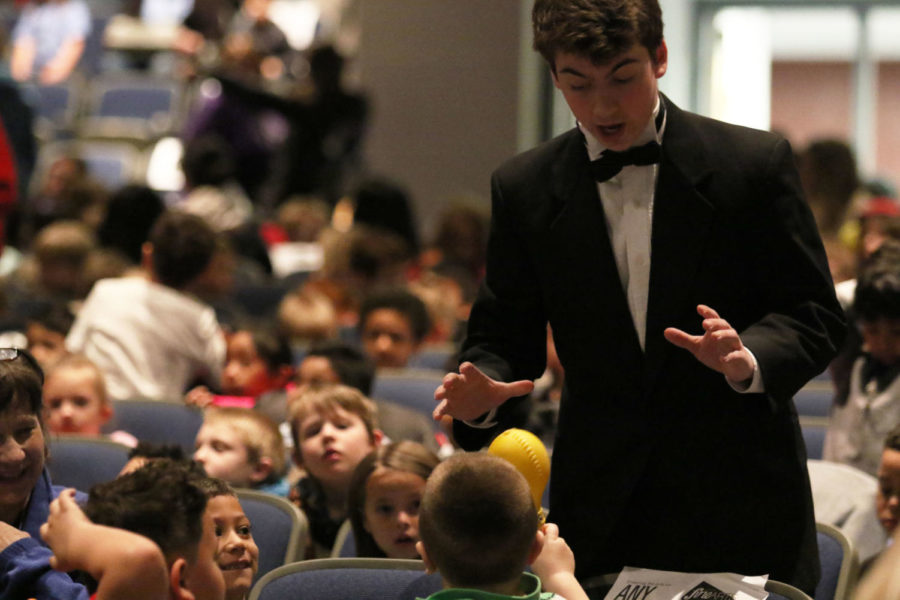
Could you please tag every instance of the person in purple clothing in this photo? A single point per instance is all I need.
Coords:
(25, 488)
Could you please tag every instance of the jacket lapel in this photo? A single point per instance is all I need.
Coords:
(682, 218)
(579, 225)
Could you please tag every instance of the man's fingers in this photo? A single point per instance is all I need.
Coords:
(468, 370)
(680, 338)
(706, 312)
(715, 324)
(519, 388)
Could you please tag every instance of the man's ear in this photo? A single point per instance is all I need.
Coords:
(536, 546)
(429, 566)
(177, 576)
(261, 470)
(660, 59)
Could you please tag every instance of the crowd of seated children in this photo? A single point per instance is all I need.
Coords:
(163, 502)
(75, 400)
(392, 325)
(258, 361)
(46, 333)
(237, 552)
(25, 491)
(149, 336)
(125, 565)
(339, 362)
(244, 448)
(384, 499)
(479, 530)
(857, 428)
(333, 429)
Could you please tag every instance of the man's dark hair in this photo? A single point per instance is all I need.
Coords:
(352, 366)
(405, 303)
(878, 284)
(596, 29)
(159, 501)
(183, 245)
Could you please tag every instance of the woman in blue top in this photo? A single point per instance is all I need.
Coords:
(25, 489)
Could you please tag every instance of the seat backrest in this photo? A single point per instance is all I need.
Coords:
(814, 399)
(280, 530)
(82, 461)
(814, 430)
(344, 542)
(434, 356)
(157, 421)
(412, 388)
(132, 108)
(348, 579)
(839, 564)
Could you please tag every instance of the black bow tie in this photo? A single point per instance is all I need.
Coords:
(611, 162)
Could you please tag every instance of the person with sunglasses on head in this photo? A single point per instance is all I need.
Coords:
(25, 488)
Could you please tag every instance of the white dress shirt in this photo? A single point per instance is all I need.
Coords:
(627, 200)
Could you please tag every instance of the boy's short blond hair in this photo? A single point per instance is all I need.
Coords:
(77, 362)
(258, 432)
(477, 520)
(324, 399)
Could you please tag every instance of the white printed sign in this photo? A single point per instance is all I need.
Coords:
(648, 584)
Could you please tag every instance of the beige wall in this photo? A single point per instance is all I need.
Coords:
(443, 78)
(814, 99)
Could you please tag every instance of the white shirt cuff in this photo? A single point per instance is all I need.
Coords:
(755, 386)
(485, 422)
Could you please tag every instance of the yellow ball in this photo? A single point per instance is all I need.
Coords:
(528, 455)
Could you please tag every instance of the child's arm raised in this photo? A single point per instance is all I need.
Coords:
(125, 564)
(555, 565)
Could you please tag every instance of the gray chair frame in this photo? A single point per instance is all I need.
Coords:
(335, 563)
(849, 572)
(298, 538)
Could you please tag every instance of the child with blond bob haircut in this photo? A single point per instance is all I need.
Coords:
(334, 428)
(75, 400)
(243, 448)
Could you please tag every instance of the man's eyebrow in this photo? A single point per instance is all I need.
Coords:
(572, 71)
(623, 63)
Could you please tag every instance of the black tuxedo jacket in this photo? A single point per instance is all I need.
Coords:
(658, 462)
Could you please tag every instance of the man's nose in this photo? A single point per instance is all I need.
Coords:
(604, 107)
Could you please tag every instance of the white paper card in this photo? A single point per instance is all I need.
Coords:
(648, 584)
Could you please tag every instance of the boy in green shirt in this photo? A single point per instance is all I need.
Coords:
(479, 528)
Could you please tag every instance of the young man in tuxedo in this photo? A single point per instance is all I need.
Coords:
(678, 446)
